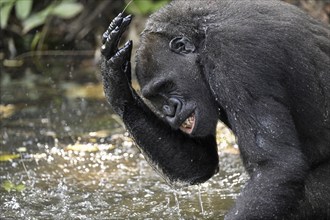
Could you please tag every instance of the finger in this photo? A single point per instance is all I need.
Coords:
(127, 64)
(110, 46)
(121, 56)
(122, 28)
(114, 23)
(126, 21)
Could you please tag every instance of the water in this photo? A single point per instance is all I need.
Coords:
(200, 199)
(76, 161)
(177, 205)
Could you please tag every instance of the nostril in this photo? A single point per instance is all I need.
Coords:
(172, 107)
(168, 110)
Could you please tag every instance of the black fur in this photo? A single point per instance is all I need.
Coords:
(262, 67)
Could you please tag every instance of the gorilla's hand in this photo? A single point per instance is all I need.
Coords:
(115, 65)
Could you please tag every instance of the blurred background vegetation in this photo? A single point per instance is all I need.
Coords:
(33, 25)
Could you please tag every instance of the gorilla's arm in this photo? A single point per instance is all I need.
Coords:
(271, 152)
(173, 153)
(252, 88)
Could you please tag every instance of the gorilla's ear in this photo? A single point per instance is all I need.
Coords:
(182, 45)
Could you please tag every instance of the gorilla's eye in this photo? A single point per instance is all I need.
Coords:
(182, 45)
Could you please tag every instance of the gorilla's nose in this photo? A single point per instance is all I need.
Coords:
(173, 105)
(168, 110)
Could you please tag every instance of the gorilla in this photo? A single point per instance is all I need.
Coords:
(260, 66)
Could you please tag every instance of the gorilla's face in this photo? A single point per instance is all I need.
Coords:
(171, 78)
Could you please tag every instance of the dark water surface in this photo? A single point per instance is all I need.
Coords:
(74, 159)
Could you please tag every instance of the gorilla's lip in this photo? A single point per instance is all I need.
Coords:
(188, 125)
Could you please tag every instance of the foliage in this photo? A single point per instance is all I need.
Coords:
(22, 8)
(145, 7)
(8, 157)
(19, 17)
(64, 9)
(10, 186)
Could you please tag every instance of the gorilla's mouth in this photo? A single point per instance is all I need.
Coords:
(188, 125)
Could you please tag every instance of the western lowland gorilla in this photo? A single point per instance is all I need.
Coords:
(260, 66)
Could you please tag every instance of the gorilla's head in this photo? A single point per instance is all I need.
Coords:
(171, 78)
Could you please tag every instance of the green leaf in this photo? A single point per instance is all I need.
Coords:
(158, 5)
(23, 8)
(20, 187)
(8, 157)
(35, 40)
(36, 19)
(5, 2)
(67, 10)
(5, 13)
(8, 185)
(145, 7)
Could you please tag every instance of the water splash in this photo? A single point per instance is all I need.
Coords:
(177, 204)
(200, 199)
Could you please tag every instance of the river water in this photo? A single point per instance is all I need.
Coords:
(65, 155)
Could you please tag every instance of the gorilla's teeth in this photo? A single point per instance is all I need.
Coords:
(188, 124)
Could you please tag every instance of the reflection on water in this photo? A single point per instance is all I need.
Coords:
(76, 162)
